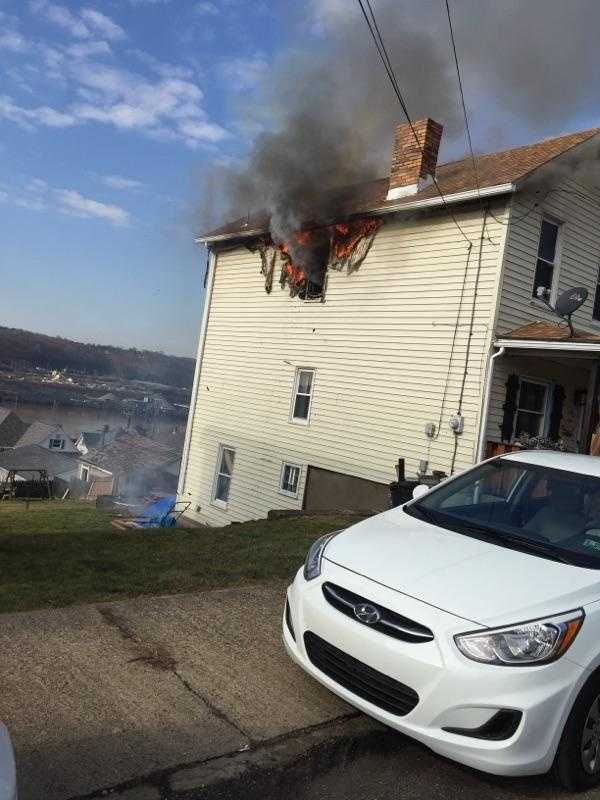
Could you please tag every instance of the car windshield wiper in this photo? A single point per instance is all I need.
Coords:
(535, 546)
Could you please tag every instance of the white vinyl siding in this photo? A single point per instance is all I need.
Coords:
(382, 348)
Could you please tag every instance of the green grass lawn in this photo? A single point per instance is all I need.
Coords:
(80, 558)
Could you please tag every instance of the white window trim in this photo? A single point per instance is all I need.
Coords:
(300, 420)
(283, 491)
(85, 477)
(543, 414)
(59, 446)
(557, 258)
(214, 501)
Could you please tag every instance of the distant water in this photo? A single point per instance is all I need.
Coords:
(75, 420)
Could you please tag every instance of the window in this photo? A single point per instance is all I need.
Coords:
(223, 475)
(531, 408)
(85, 474)
(290, 478)
(302, 395)
(596, 309)
(545, 270)
(57, 444)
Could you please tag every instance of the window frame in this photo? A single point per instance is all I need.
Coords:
(85, 477)
(559, 225)
(545, 416)
(283, 491)
(596, 298)
(59, 446)
(302, 420)
(216, 501)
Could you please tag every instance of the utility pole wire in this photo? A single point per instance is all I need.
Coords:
(371, 21)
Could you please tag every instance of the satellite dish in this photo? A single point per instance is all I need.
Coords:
(568, 303)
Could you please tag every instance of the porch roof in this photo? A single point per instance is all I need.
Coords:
(549, 336)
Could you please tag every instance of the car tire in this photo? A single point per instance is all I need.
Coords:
(577, 762)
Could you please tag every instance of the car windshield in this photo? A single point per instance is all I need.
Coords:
(550, 513)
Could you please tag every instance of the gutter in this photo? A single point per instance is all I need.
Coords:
(486, 404)
(564, 344)
(212, 262)
(430, 202)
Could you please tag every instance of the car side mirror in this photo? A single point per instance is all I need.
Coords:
(419, 491)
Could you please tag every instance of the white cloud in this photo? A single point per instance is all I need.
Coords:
(60, 16)
(207, 8)
(162, 68)
(3, 196)
(36, 185)
(29, 117)
(119, 182)
(31, 203)
(243, 73)
(198, 131)
(74, 204)
(11, 40)
(86, 49)
(103, 24)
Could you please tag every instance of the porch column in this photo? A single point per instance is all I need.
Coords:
(590, 403)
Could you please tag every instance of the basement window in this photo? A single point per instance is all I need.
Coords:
(547, 260)
(289, 480)
(302, 397)
(596, 309)
(223, 475)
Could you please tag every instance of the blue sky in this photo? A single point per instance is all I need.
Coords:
(112, 110)
(108, 110)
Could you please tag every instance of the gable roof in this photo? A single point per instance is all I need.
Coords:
(38, 431)
(12, 427)
(130, 452)
(493, 170)
(35, 457)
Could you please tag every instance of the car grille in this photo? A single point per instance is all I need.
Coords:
(366, 682)
(390, 623)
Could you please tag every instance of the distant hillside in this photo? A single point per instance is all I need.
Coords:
(23, 348)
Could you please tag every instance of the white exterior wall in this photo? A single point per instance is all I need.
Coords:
(577, 208)
(381, 346)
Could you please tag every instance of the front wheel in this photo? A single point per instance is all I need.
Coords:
(577, 762)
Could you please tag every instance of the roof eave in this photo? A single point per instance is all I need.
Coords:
(430, 202)
(544, 344)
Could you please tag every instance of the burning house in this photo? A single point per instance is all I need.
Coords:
(382, 320)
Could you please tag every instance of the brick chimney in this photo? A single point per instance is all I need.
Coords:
(412, 169)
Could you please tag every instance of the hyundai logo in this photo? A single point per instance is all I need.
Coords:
(365, 612)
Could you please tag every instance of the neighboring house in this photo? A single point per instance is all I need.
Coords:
(34, 457)
(91, 440)
(12, 428)
(300, 403)
(130, 465)
(48, 435)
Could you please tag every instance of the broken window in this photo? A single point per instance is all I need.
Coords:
(304, 260)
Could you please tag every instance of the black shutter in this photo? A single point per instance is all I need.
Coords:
(509, 408)
(557, 411)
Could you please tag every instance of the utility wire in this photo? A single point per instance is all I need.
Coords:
(371, 21)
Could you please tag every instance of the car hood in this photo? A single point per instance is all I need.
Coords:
(473, 579)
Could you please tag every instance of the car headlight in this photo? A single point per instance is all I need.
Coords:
(536, 642)
(312, 565)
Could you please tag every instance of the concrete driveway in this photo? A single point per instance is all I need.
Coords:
(192, 696)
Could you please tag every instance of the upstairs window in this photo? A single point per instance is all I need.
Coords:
(290, 478)
(57, 444)
(302, 398)
(85, 474)
(224, 472)
(596, 309)
(545, 270)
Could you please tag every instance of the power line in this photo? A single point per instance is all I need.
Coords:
(371, 21)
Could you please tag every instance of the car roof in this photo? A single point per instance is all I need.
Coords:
(572, 462)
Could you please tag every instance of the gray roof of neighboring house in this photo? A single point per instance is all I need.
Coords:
(38, 431)
(12, 427)
(130, 452)
(35, 457)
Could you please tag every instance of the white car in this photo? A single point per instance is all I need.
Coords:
(469, 618)
(8, 773)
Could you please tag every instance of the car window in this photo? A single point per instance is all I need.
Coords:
(521, 505)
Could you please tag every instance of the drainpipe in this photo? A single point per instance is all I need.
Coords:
(486, 404)
(194, 399)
